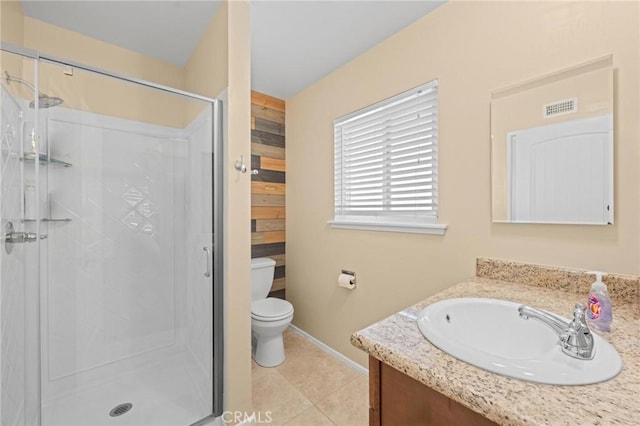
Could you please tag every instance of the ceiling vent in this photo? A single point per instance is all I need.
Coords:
(566, 106)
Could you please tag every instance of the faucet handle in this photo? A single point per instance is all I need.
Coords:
(579, 316)
(578, 341)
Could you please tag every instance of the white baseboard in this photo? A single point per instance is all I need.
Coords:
(360, 369)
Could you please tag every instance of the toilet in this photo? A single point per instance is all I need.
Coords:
(270, 316)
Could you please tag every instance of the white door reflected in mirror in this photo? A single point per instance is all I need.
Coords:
(561, 173)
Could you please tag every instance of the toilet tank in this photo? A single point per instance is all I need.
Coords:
(262, 269)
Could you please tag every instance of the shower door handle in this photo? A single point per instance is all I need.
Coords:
(207, 271)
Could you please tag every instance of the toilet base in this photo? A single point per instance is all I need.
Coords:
(269, 351)
(267, 345)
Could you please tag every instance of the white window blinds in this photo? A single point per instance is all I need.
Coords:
(386, 160)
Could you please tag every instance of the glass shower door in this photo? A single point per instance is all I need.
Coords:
(127, 289)
(19, 372)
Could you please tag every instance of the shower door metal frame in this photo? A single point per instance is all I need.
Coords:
(217, 275)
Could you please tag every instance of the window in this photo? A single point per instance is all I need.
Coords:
(386, 158)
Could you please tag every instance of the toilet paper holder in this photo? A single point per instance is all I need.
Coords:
(347, 279)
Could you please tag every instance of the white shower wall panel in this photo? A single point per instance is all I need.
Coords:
(111, 288)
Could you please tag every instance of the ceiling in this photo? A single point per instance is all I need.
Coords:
(293, 43)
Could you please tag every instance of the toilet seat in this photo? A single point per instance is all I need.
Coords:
(271, 309)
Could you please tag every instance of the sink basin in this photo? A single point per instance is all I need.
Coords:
(490, 334)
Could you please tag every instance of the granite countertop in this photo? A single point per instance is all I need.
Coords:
(397, 342)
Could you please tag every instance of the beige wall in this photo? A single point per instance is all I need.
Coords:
(238, 202)
(473, 48)
(12, 31)
(11, 22)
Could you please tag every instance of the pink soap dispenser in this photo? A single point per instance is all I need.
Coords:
(599, 309)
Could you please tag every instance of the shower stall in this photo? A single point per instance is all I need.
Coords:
(111, 252)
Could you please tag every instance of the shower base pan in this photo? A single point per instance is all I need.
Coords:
(161, 395)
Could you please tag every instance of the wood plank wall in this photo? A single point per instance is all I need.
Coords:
(268, 187)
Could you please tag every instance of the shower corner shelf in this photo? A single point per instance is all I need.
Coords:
(46, 219)
(44, 159)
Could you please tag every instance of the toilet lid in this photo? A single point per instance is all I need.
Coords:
(271, 309)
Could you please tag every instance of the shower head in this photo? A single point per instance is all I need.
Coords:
(44, 101)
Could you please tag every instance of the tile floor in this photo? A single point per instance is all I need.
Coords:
(310, 388)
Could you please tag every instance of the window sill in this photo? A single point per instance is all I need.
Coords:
(411, 228)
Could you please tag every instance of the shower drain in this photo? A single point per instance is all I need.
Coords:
(120, 409)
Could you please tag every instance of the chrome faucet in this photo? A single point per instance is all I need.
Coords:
(575, 338)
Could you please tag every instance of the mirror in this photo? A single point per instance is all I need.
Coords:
(552, 148)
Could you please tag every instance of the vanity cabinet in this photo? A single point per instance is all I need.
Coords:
(397, 399)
